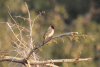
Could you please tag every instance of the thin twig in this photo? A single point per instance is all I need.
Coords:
(3, 22)
(29, 24)
(13, 31)
(23, 18)
(78, 57)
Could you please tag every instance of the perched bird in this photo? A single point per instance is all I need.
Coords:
(49, 32)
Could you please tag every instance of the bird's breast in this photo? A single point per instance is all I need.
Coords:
(52, 32)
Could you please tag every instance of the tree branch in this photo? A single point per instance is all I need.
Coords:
(32, 62)
(40, 45)
(29, 24)
(11, 59)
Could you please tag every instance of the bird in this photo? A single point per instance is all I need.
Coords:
(49, 32)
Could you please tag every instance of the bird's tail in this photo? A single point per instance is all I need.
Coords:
(44, 39)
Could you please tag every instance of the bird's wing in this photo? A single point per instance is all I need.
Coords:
(48, 31)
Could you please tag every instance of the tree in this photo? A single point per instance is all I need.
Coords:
(26, 49)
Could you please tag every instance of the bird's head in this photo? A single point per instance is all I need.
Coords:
(52, 27)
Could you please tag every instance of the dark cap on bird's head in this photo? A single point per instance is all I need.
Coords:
(52, 27)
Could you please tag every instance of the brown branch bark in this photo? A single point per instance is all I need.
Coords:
(40, 45)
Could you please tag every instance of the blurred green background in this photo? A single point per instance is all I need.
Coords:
(81, 16)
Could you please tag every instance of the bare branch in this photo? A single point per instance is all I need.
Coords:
(13, 32)
(10, 58)
(78, 57)
(18, 29)
(32, 62)
(29, 24)
(23, 18)
(3, 22)
(37, 17)
(40, 45)
(30, 19)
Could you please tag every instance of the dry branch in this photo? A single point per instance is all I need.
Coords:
(32, 62)
(57, 61)
(40, 45)
(11, 59)
(29, 24)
